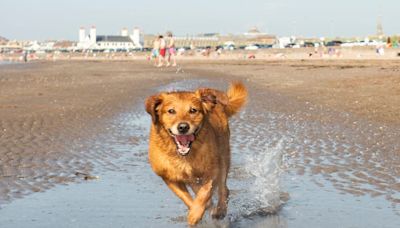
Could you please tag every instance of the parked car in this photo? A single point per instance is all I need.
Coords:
(229, 47)
(252, 47)
(308, 44)
(265, 45)
(185, 48)
(291, 45)
(334, 43)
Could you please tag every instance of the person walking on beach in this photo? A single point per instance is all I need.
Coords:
(163, 49)
(389, 42)
(171, 50)
(25, 56)
(156, 50)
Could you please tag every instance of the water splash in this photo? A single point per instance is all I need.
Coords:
(260, 186)
(266, 167)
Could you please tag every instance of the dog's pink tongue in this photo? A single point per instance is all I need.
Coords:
(184, 139)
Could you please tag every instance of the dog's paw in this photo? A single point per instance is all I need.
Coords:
(218, 212)
(195, 214)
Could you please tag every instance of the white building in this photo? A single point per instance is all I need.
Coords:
(125, 41)
(35, 46)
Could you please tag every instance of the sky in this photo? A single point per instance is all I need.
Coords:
(61, 19)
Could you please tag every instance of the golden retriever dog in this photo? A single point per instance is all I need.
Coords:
(189, 144)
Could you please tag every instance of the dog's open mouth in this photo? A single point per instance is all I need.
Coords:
(183, 143)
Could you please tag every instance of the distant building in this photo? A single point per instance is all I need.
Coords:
(254, 32)
(64, 45)
(124, 41)
(255, 36)
(211, 34)
(35, 46)
(200, 40)
(9, 45)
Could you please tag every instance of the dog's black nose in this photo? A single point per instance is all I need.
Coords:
(183, 128)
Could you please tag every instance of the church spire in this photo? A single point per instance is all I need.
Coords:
(379, 27)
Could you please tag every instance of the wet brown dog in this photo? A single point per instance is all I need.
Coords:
(189, 144)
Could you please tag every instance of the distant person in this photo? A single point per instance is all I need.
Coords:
(389, 42)
(206, 52)
(163, 50)
(331, 51)
(380, 49)
(218, 50)
(156, 50)
(25, 56)
(171, 50)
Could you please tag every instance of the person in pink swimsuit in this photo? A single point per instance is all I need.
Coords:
(171, 50)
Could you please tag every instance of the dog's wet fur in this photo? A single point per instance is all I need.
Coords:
(189, 144)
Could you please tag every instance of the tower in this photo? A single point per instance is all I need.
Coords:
(124, 32)
(136, 37)
(379, 27)
(82, 34)
(93, 35)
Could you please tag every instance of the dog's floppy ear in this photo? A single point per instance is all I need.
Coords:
(152, 105)
(210, 97)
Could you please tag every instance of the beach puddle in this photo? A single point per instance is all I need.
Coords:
(293, 165)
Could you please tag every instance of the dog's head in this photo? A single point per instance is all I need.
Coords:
(181, 114)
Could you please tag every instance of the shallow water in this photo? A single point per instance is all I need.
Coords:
(293, 165)
(7, 62)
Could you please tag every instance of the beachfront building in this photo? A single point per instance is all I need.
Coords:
(251, 37)
(254, 35)
(122, 42)
(199, 40)
(254, 32)
(10, 45)
(64, 45)
(231, 41)
(49, 46)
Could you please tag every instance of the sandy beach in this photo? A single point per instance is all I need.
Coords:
(318, 141)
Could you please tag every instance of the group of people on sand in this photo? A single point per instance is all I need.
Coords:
(164, 51)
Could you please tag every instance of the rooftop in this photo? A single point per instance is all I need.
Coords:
(105, 38)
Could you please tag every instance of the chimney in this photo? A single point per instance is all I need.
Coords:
(124, 32)
(82, 34)
(93, 34)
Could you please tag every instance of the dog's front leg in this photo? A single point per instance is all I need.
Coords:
(181, 191)
(198, 207)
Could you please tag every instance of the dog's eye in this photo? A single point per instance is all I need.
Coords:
(192, 110)
(171, 111)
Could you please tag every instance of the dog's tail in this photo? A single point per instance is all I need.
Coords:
(237, 96)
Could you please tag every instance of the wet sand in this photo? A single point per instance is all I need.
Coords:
(48, 111)
(325, 131)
